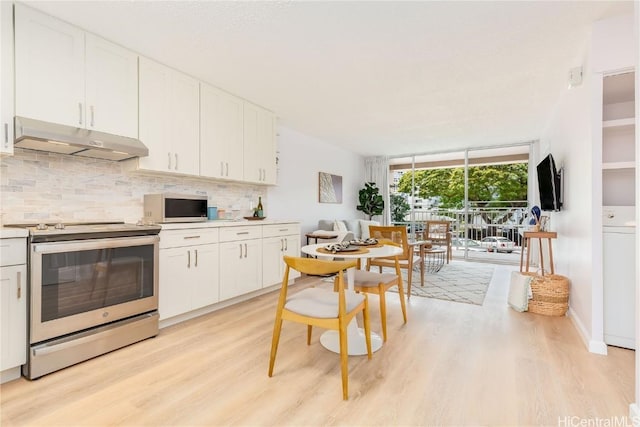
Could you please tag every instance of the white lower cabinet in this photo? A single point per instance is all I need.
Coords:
(240, 261)
(200, 267)
(279, 240)
(189, 261)
(13, 304)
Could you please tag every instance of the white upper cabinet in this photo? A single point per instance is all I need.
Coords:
(221, 140)
(169, 119)
(6, 77)
(111, 88)
(66, 76)
(259, 145)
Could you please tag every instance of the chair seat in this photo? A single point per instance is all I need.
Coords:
(321, 303)
(364, 278)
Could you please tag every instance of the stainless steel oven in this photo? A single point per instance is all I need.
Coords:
(92, 289)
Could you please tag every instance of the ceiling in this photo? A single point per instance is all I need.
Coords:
(375, 77)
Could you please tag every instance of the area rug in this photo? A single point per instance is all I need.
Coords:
(458, 281)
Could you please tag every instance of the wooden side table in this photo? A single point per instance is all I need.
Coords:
(526, 242)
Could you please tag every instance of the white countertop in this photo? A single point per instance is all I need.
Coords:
(12, 232)
(224, 223)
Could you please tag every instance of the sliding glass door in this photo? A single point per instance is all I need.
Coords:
(482, 193)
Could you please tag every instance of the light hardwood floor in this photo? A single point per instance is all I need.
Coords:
(451, 364)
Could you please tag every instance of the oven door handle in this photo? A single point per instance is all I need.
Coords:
(107, 243)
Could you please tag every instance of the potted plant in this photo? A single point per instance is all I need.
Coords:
(371, 202)
(399, 207)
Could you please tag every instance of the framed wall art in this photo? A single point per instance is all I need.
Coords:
(329, 188)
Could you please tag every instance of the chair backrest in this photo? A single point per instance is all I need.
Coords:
(395, 233)
(437, 229)
(317, 267)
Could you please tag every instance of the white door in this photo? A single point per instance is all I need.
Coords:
(49, 74)
(272, 252)
(6, 77)
(185, 119)
(155, 115)
(221, 143)
(175, 282)
(205, 265)
(267, 146)
(252, 163)
(619, 260)
(111, 88)
(13, 316)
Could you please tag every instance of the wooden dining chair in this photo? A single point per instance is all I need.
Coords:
(407, 260)
(321, 307)
(379, 283)
(438, 232)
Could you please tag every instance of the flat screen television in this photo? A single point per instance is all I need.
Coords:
(549, 185)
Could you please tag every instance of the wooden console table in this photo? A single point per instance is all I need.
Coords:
(526, 242)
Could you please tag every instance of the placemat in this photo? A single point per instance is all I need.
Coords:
(357, 252)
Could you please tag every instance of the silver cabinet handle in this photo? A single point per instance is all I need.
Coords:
(243, 232)
(281, 245)
(286, 245)
(168, 160)
(245, 250)
(188, 259)
(79, 113)
(227, 163)
(191, 237)
(221, 168)
(176, 168)
(240, 250)
(19, 278)
(196, 252)
(6, 134)
(91, 110)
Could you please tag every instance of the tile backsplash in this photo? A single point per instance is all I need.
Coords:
(37, 186)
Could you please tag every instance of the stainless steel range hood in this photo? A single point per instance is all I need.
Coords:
(56, 138)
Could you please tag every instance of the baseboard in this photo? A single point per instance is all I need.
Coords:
(597, 347)
(634, 414)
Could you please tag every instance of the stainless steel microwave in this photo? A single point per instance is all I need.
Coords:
(169, 207)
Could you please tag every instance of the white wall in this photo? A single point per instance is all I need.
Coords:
(574, 137)
(568, 138)
(296, 197)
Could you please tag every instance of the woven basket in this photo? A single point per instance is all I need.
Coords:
(550, 295)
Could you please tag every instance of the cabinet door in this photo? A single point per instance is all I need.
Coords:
(240, 267)
(272, 252)
(169, 117)
(291, 248)
(49, 68)
(259, 145)
(175, 282)
(220, 134)
(155, 112)
(111, 88)
(13, 316)
(6, 77)
(185, 119)
(206, 283)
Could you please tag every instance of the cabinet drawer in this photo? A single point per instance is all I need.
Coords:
(13, 251)
(275, 230)
(231, 234)
(190, 237)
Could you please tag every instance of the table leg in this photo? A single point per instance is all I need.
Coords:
(356, 342)
(524, 246)
(541, 257)
(550, 256)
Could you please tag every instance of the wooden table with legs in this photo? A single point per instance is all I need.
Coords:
(526, 243)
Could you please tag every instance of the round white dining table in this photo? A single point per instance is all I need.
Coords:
(356, 343)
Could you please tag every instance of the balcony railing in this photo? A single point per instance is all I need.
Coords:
(477, 222)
